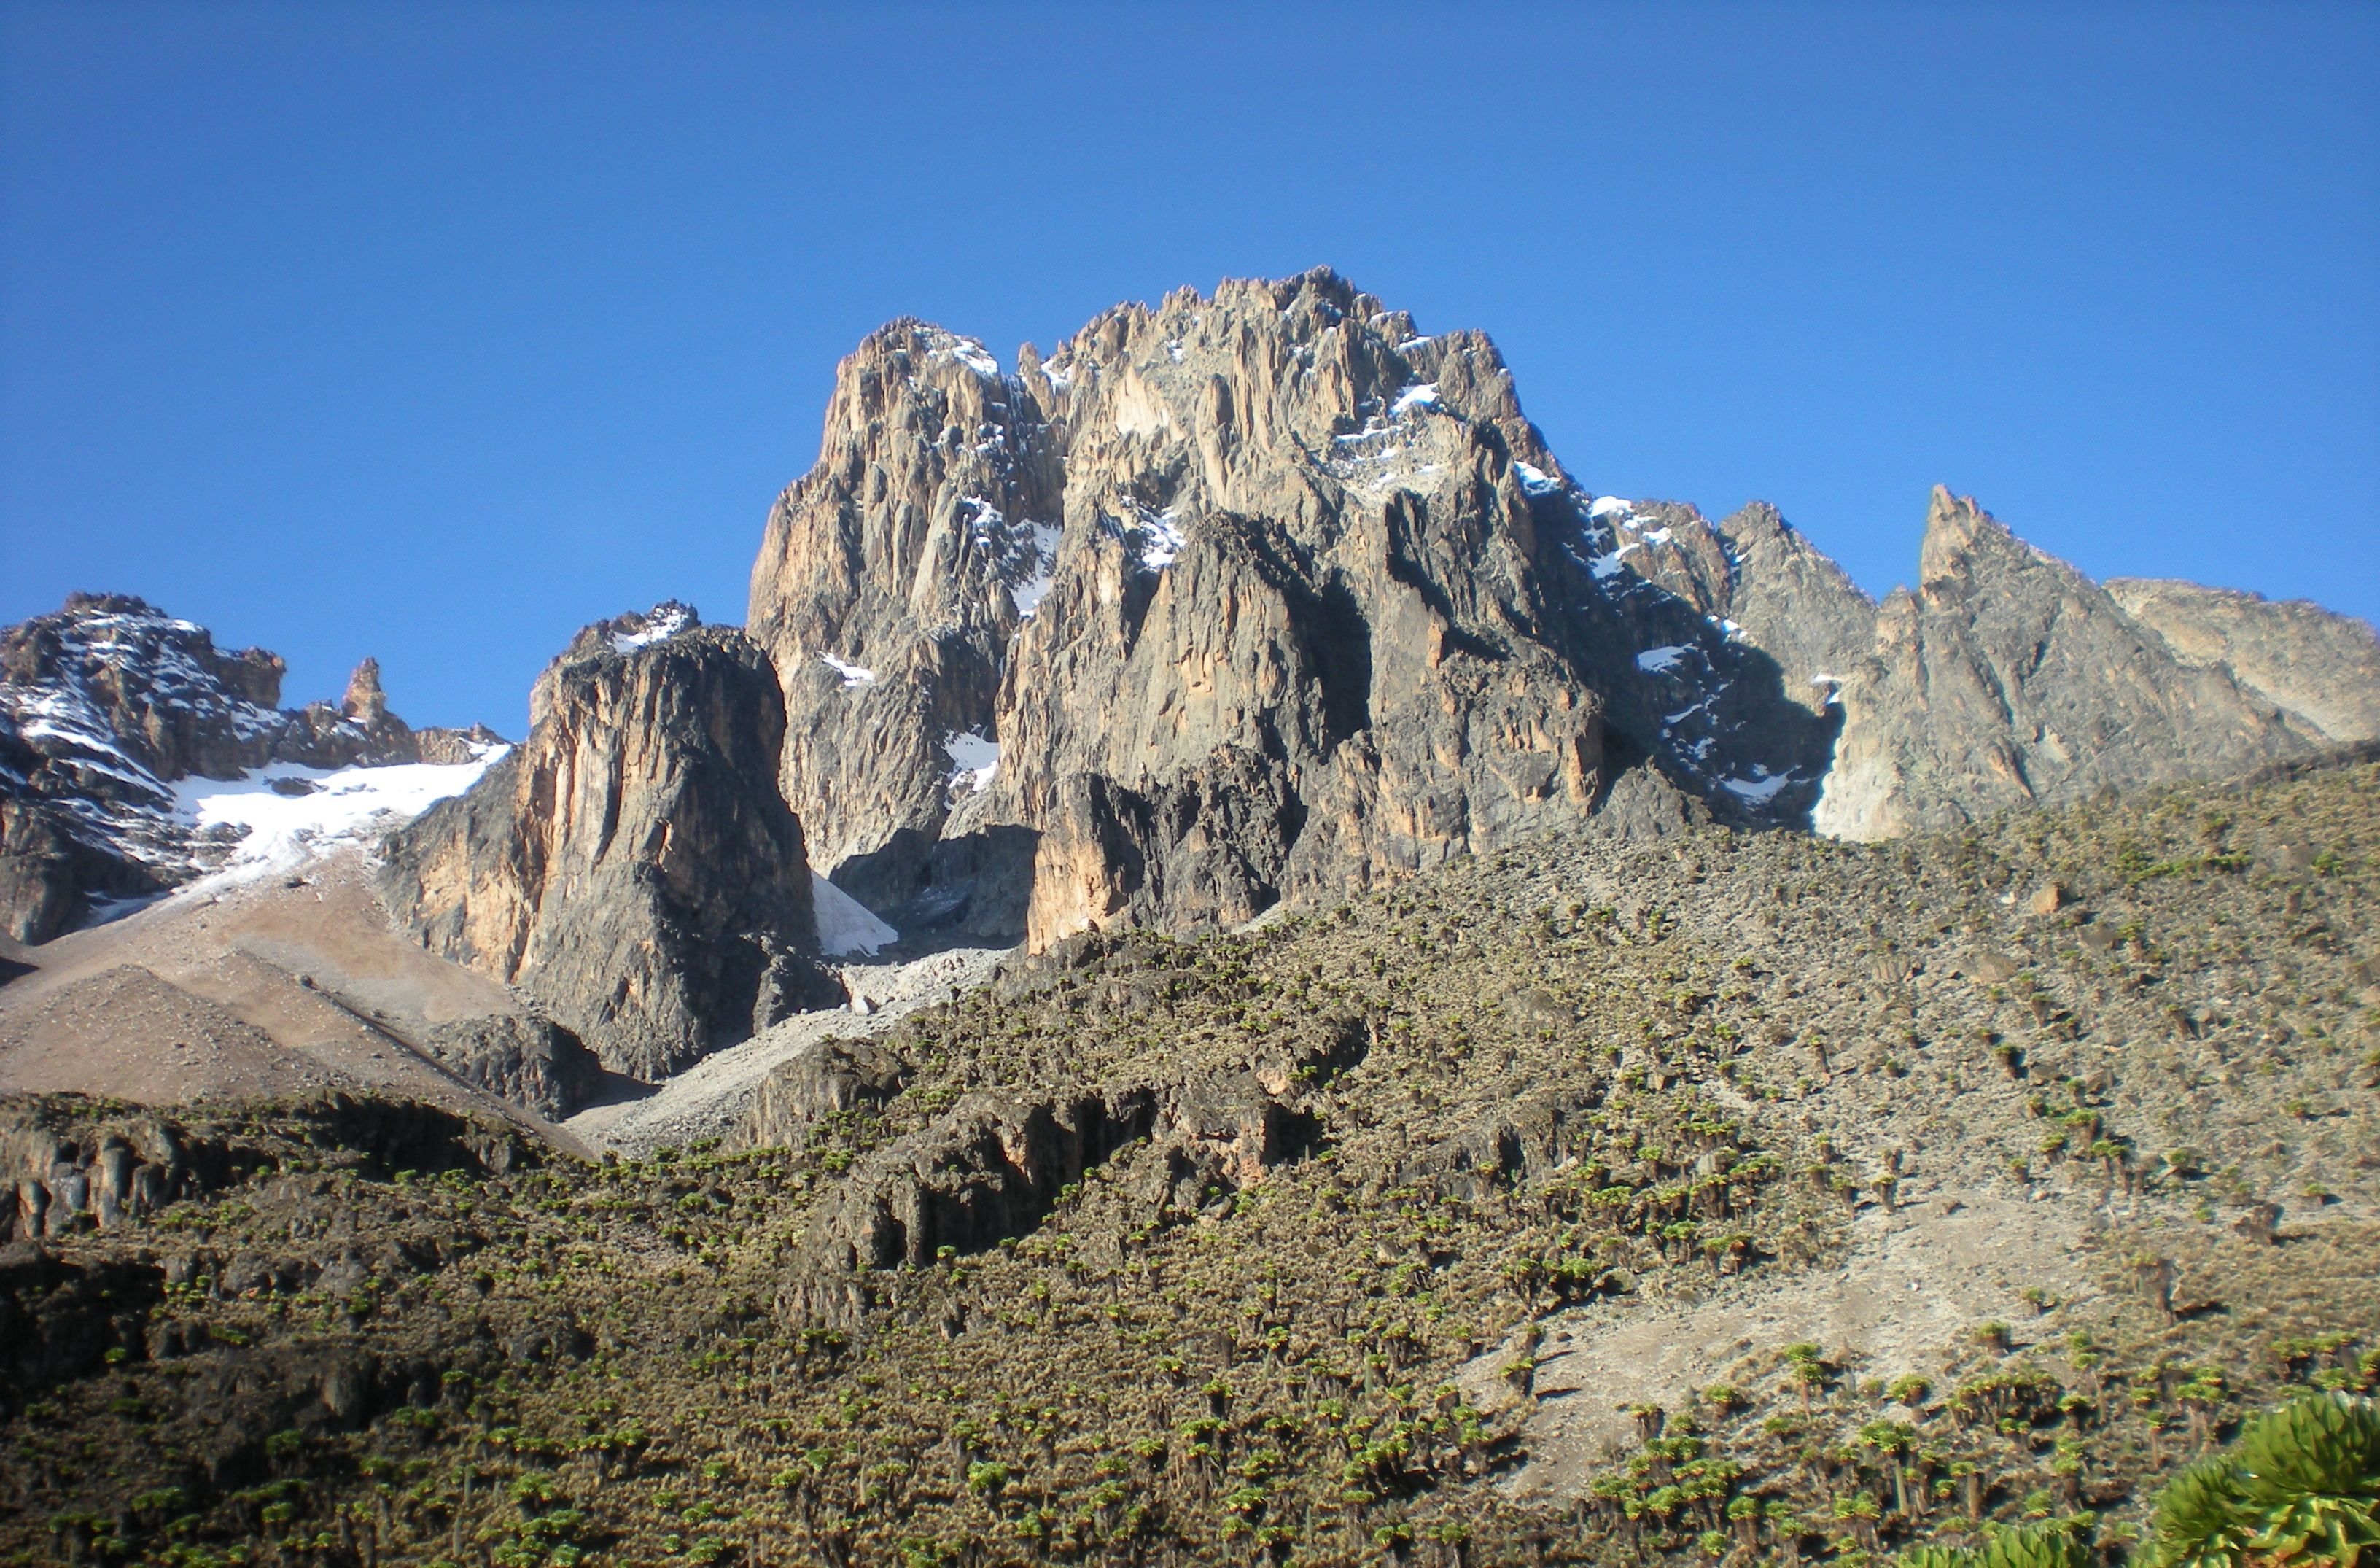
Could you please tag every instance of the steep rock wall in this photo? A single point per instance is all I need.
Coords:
(631, 866)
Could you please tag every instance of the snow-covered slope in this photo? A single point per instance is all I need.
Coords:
(135, 755)
(846, 925)
(285, 815)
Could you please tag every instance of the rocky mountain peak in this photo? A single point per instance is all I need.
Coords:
(1126, 621)
(2322, 670)
(2009, 677)
(1266, 593)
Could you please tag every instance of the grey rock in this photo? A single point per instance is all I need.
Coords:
(2320, 669)
(2008, 678)
(1261, 596)
(836, 1075)
(530, 1061)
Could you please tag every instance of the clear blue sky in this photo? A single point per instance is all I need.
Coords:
(435, 331)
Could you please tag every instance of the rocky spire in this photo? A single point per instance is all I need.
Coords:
(2008, 677)
(365, 702)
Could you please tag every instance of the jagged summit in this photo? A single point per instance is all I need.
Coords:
(2006, 677)
(1266, 594)
(1261, 594)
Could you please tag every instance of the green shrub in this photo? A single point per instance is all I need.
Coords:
(2298, 1486)
(2035, 1546)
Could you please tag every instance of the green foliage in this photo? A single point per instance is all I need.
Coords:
(2033, 1546)
(2300, 1486)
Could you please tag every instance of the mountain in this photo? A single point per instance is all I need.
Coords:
(1726, 1197)
(1266, 597)
(108, 705)
(631, 866)
(2008, 679)
(1234, 967)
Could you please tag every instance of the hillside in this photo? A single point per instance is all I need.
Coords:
(1891, 1188)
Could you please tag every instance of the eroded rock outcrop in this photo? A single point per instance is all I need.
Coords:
(1268, 595)
(2008, 678)
(992, 1166)
(631, 866)
(834, 1076)
(520, 1057)
(70, 1163)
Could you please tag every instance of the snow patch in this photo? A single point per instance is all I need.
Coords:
(1759, 789)
(1422, 394)
(967, 351)
(1162, 539)
(972, 760)
(1027, 595)
(326, 808)
(1536, 481)
(1654, 661)
(1610, 505)
(845, 925)
(852, 676)
(664, 623)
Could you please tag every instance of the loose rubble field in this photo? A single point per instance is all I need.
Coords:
(1340, 1241)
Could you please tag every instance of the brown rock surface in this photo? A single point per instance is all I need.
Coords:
(1258, 596)
(1264, 596)
(630, 866)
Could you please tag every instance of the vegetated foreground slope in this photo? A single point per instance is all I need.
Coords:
(1256, 1248)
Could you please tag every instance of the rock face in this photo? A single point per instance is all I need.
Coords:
(530, 1061)
(2008, 679)
(1249, 598)
(834, 1076)
(107, 704)
(2322, 670)
(631, 866)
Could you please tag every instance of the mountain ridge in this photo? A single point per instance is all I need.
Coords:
(1239, 603)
